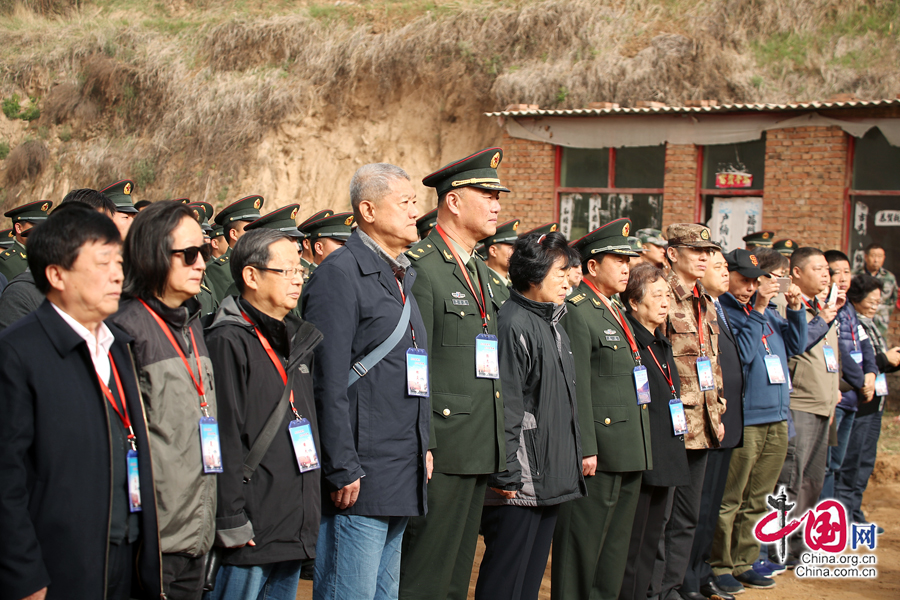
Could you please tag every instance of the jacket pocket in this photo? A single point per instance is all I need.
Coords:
(534, 447)
(610, 415)
(615, 357)
(460, 321)
(449, 405)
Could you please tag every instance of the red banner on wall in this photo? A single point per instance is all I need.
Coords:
(734, 180)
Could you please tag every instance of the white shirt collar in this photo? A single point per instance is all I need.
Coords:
(98, 346)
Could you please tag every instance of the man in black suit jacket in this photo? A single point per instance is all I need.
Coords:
(71, 414)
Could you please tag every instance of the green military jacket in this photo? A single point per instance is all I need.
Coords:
(499, 290)
(309, 266)
(218, 273)
(467, 434)
(613, 425)
(207, 298)
(13, 260)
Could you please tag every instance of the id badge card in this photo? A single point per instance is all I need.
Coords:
(856, 355)
(487, 365)
(304, 446)
(774, 369)
(417, 372)
(705, 374)
(210, 448)
(881, 388)
(134, 482)
(679, 420)
(831, 362)
(642, 384)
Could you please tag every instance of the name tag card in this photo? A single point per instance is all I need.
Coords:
(775, 369)
(881, 388)
(417, 372)
(856, 355)
(304, 445)
(134, 482)
(679, 420)
(705, 374)
(831, 362)
(210, 448)
(487, 365)
(642, 384)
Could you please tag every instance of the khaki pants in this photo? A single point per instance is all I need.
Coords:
(752, 476)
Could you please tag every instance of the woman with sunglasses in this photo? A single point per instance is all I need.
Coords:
(165, 258)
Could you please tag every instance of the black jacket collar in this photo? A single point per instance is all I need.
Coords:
(279, 333)
(643, 337)
(179, 317)
(548, 311)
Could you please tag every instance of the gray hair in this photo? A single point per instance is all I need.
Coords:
(252, 250)
(372, 182)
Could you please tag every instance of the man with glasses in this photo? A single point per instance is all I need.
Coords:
(233, 218)
(260, 351)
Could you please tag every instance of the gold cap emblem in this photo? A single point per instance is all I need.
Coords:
(127, 189)
(788, 244)
(196, 214)
(515, 226)
(553, 228)
(704, 234)
(638, 244)
(349, 221)
(257, 203)
(293, 214)
(765, 236)
(495, 160)
(626, 229)
(45, 207)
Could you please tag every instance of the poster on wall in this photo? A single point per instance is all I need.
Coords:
(580, 212)
(875, 219)
(732, 219)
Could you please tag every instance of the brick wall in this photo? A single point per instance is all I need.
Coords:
(528, 170)
(804, 190)
(680, 196)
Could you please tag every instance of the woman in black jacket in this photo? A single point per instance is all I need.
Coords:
(647, 303)
(543, 449)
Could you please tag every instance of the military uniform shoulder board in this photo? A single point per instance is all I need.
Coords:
(6, 254)
(222, 259)
(576, 300)
(422, 248)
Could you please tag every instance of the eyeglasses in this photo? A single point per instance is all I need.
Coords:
(190, 254)
(286, 273)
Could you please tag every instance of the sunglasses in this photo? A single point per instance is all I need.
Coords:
(190, 254)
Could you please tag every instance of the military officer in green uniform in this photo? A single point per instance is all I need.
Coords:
(785, 246)
(654, 245)
(7, 238)
(498, 248)
(207, 297)
(467, 436)
(590, 544)
(233, 219)
(14, 260)
(325, 233)
(120, 193)
(426, 223)
(759, 239)
(306, 254)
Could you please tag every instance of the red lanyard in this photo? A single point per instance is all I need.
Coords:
(197, 384)
(465, 273)
(123, 413)
(274, 358)
(853, 335)
(663, 371)
(808, 305)
(765, 340)
(617, 314)
(700, 319)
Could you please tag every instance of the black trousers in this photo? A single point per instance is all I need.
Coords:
(699, 572)
(517, 545)
(183, 576)
(118, 571)
(649, 521)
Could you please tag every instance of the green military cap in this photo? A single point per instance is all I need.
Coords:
(611, 238)
(337, 226)
(785, 246)
(426, 223)
(544, 229)
(202, 212)
(505, 234)
(120, 194)
(245, 209)
(316, 217)
(280, 219)
(33, 211)
(188, 201)
(216, 231)
(636, 244)
(651, 236)
(477, 170)
(759, 238)
(7, 237)
(690, 235)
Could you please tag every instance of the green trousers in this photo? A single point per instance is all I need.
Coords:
(439, 548)
(752, 475)
(590, 544)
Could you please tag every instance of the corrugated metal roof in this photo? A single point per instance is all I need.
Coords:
(721, 108)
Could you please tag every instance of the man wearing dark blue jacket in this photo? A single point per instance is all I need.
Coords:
(858, 370)
(374, 430)
(765, 340)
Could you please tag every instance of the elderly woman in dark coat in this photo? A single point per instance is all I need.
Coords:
(543, 449)
(646, 300)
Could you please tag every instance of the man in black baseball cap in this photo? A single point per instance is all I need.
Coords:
(745, 263)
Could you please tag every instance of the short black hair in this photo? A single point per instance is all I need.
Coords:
(873, 246)
(58, 240)
(93, 198)
(833, 256)
(148, 248)
(771, 259)
(802, 255)
(252, 250)
(533, 257)
(142, 204)
(860, 286)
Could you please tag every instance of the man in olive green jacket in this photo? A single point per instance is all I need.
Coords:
(590, 544)
(467, 430)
